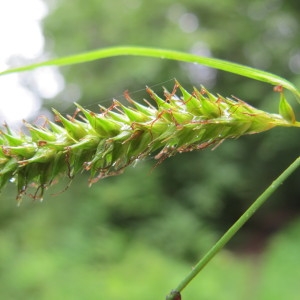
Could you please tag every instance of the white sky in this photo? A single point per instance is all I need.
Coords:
(21, 36)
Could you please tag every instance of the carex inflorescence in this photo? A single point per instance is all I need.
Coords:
(105, 143)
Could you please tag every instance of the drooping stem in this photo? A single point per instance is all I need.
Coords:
(234, 228)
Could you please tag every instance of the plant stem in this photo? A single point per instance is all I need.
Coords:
(235, 227)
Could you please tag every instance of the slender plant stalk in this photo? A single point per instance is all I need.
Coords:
(233, 229)
(166, 54)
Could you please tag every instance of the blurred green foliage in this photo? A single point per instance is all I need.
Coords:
(280, 274)
(135, 236)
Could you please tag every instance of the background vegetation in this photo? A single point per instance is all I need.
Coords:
(134, 236)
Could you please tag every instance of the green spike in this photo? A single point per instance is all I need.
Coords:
(104, 144)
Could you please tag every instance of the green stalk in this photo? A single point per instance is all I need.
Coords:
(167, 54)
(175, 294)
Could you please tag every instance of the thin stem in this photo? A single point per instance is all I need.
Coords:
(167, 54)
(235, 227)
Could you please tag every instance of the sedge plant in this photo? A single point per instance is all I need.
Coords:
(104, 143)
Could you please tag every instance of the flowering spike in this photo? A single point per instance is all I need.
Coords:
(106, 143)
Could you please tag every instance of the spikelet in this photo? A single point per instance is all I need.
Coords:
(107, 142)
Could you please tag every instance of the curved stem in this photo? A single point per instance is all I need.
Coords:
(163, 53)
(235, 227)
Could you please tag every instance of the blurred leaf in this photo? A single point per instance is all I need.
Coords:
(279, 275)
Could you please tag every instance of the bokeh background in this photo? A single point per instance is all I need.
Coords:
(136, 235)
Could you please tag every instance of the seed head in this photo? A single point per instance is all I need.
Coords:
(105, 143)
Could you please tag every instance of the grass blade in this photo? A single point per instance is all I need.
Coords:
(164, 54)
